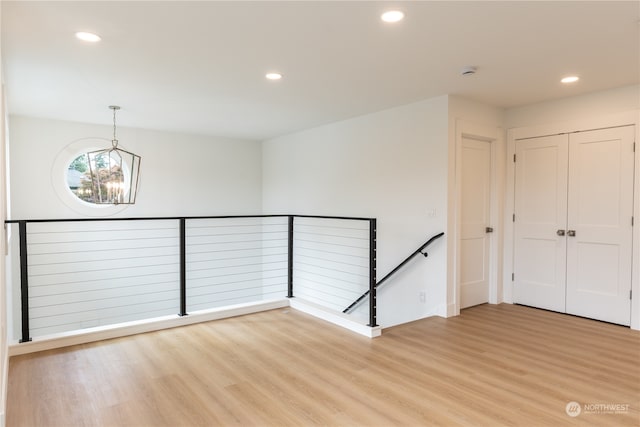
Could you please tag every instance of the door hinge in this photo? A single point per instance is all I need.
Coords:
(513, 277)
(634, 147)
(632, 221)
(630, 293)
(513, 219)
(514, 158)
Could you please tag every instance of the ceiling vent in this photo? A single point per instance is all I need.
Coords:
(468, 70)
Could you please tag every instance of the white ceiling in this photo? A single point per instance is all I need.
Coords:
(199, 67)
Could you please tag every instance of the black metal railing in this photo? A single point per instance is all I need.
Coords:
(374, 286)
(182, 257)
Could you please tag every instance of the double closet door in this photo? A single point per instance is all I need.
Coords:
(573, 223)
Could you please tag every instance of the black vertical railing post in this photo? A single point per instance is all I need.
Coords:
(24, 281)
(290, 258)
(183, 268)
(372, 273)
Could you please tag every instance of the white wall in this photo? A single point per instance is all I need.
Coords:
(391, 165)
(180, 174)
(594, 105)
(4, 307)
(475, 112)
(4, 358)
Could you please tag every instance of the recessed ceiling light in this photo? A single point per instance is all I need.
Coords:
(88, 37)
(392, 16)
(273, 76)
(570, 79)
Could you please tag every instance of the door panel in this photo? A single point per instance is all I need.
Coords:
(541, 209)
(600, 206)
(476, 200)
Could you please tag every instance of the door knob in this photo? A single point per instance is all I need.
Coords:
(560, 232)
(489, 229)
(571, 233)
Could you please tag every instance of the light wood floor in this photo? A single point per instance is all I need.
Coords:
(491, 366)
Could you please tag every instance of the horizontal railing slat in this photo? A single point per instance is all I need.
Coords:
(88, 276)
(100, 265)
(100, 284)
(104, 255)
(97, 306)
(98, 225)
(100, 236)
(225, 230)
(142, 244)
(107, 315)
(99, 294)
(233, 246)
(236, 262)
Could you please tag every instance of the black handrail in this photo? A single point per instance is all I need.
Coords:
(177, 218)
(384, 279)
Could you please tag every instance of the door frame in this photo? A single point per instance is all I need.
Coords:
(616, 120)
(494, 136)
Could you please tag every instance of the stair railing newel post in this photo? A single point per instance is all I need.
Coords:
(290, 256)
(372, 273)
(183, 267)
(24, 281)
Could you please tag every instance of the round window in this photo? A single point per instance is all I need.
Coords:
(71, 179)
(79, 178)
(111, 175)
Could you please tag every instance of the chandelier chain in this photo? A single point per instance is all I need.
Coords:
(114, 141)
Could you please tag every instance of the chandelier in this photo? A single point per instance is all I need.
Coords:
(114, 173)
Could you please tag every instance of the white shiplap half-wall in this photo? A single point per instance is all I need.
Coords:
(87, 274)
(330, 261)
(235, 260)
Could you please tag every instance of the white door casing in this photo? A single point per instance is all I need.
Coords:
(475, 218)
(493, 137)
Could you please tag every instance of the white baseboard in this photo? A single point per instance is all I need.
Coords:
(451, 311)
(331, 316)
(139, 327)
(5, 383)
(142, 326)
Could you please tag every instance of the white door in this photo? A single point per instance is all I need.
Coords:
(573, 223)
(474, 241)
(540, 213)
(600, 209)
